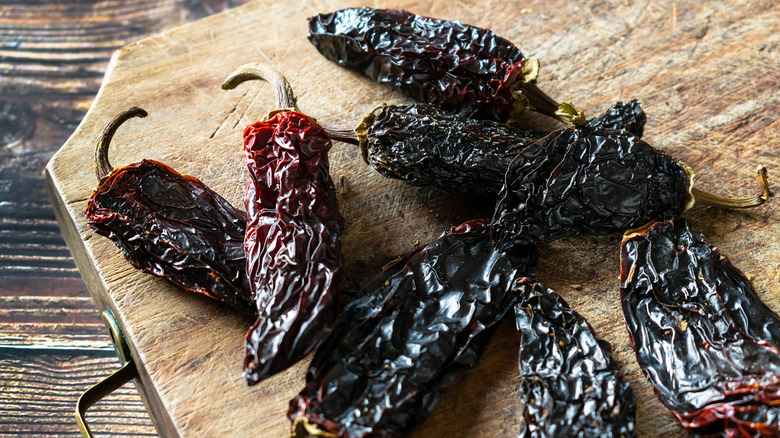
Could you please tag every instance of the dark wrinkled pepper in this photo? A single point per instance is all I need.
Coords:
(294, 260)
(570, 385)
(170, 225)
(596, 182)
(418, 327)
(704, 339)
(425, 146)
(453, 66)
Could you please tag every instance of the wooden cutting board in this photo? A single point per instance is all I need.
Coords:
(707, 74)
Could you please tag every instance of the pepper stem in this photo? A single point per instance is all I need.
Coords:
(529, 97)
(282, 89)
(753, 201)
(102, 165)
(342, 133)
(302, 428)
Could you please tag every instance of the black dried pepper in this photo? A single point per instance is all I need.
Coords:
(425, 146)
(418, 327)
(453, 66)
(170, 225)
(570, 385)
(596, 182)
(704, 339)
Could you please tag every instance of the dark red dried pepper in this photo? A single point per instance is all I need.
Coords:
(596, 182)
(294, 260)
(457, 67)
(423, 145)
(570, 385)
(417, 328)
(704, 339)
(170, 225)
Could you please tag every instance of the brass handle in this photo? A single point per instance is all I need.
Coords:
(111, 383)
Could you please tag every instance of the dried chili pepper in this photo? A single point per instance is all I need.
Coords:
(597, 182)
(418, 327)
(457, 67)
(704, 339)
(570, 385)
(424, 146)
(170, 225)
(294, 260)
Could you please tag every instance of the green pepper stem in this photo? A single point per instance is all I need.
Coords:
(102, 165)
(282, 89)
(752, 201)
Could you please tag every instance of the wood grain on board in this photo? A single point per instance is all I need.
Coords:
(705, 71)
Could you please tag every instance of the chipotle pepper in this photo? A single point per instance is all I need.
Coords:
(596, 182)
(424, 146)
(704, 339)
(454, 66)
(418, 327)
(294, 260)
(570, 386)
(170, 225)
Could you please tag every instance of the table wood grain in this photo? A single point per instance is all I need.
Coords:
(53, 344)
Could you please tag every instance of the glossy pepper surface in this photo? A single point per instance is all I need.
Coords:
(418, 327)
(454, 66)
(704, 339)
(294, 260)
(582, 181)
(425, 146)
(570, 385)
(171, 225)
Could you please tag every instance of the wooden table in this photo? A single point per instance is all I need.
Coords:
(53, 344)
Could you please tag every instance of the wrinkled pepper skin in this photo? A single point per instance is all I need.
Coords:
(578, 181)
(704, 339)
(418, 327)
(425, 146)
(447, 64)
(570, 385)
(294, 260)
(173, 226)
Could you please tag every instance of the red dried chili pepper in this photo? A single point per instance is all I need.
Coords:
(294, 259)
(170, 225)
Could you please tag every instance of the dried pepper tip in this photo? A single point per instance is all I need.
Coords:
(102, 166)
(302, 428)
(718, 201)
(285, 100)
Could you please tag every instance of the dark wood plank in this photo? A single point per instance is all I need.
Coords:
(53, 344)
(39, 388)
